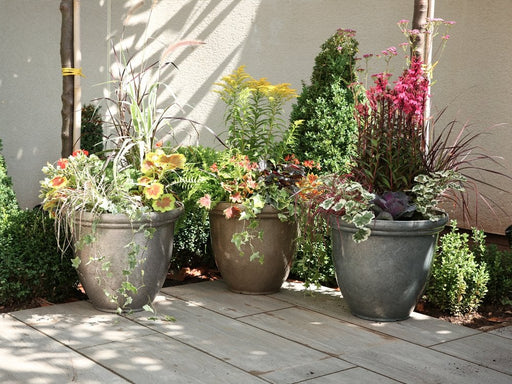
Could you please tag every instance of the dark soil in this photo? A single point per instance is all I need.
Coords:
(488, 317)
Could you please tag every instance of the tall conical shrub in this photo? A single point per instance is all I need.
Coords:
(326, 106)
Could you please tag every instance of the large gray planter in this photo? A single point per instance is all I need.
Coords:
(104, 260)
(383, 277)
(277, 247)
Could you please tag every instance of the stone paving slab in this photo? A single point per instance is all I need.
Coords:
(355, 375)
(503, 332)
(216, 297)
(222, 337)
(28, 356)
(485, 349)
(155, 359)
(79, 325)
(419, 329)
(395, 358)
(260, 353)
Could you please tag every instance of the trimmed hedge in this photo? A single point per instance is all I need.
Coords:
(31, 264)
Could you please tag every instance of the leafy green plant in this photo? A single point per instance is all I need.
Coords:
(30, 262)
(256, 170)
(458, 283)
(31, 265)
(192, 237)
(254, 115)
(499, 266)
(91, 138)
(8, 200)
(326, 106)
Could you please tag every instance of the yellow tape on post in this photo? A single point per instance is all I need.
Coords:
(72, 72)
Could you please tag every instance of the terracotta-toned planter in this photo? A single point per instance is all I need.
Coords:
(277, 247)
(104, 260)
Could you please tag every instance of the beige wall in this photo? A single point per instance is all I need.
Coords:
(277, 39)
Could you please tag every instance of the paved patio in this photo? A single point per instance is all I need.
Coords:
(222, 337)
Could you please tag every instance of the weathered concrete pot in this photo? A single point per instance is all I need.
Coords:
(277, 247)
(383, 277)
(113, 233)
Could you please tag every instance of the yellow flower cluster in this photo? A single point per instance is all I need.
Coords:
(239, 80)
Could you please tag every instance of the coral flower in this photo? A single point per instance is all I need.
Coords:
(165, 203)
(59, 182)
(80, 152)
(62, 163)
(236, 197)
(154, 191)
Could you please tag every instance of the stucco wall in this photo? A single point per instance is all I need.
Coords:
(277, 39)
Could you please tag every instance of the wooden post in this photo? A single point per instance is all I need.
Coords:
(77, 61)
(66, 57)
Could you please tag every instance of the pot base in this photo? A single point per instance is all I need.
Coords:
(382, 278)
(277, 248)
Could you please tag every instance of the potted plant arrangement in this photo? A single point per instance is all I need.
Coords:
(385, 214)
(249, 189)
(118, 211)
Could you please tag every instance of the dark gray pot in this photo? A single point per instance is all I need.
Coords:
(383, 277)
(277, 247)
(113, 233)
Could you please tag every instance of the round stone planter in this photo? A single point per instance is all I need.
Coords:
(104, 260)
(277, 247)
(382, 278)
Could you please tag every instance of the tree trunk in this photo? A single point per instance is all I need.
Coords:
(419, 21)
(66, 58)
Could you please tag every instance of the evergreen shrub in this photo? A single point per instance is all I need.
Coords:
(31, 265)
(458, 283)
(499, 266)
(91, 138)
(326, 135)
(326, 106)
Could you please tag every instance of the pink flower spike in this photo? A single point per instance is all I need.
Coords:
(449, 22)
(403, 21)
(445, 37)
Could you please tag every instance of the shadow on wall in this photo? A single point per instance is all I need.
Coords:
(275, 39)
(194, 68)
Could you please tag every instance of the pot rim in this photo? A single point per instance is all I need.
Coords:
(222, 205)
(85, 218)
(397, 227)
